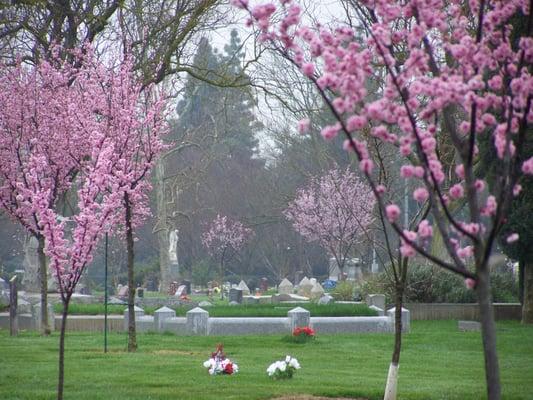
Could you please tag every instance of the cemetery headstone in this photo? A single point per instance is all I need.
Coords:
(406, 318)
(30, 280)
(334, 270)
(204, 304)
(285, 287)
(151, 285)
(325, 299)
(197, 321)
(264, 285)
(187, 286)
(122, 291)
(299, 317)
(277, 298)
(377, 300)
(182, 289)
(162, 314)
(140, 292)
(305, 287)
(317, 291)
(4, 285)
(23, 307)
(244, 287)
(235, 295)
(82, 289)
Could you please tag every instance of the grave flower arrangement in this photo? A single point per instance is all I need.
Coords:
(301, 334)
(304, 332)
(219, 364)
(283, 369)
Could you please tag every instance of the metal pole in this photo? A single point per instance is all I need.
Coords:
(105, 295)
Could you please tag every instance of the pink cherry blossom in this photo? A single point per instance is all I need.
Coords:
(470, 283)
(393, 212)
(420, 194)
(303, 125)
(513, 237)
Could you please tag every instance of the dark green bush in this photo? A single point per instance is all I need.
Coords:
(430, 284)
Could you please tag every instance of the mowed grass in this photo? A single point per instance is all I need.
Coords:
(438, 362)
(225, 310)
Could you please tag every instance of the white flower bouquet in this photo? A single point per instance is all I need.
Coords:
(283, 369)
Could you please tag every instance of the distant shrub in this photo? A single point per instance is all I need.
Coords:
(344, 291)
(426, 284)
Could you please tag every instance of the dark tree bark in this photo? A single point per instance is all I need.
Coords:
(527, 302)
(43, 278)
(132, 335)
(61, 377)
(488, 333)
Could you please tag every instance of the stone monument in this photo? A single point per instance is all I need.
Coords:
(244, 287)
(285, 287)
(334, 270)
(30, 281)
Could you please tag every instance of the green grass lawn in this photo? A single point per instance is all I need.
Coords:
(438, 362)
(225, 310)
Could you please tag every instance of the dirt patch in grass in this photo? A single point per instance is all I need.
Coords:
(175, 353)
(309, 397)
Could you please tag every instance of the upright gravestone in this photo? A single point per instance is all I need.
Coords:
(139, 312)
(377, 300)
(13, 300)
(299, 317)
(197, 321)
(406, 319)
(334, 270)
(285, 287)
(317, 291)
(30, 281)
(182, 290)
(161, 315)
(235, 295)
(3, 285)
(263, 285)
(305, 286)
(244, 287)
(36, 312)
(187, 286)
(122, 291)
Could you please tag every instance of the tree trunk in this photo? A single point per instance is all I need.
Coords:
(488, 333)
(61, 377)
(391, 389)
(527, 305)
(222, 279)
(521, 266)
(43, 278)
(132, 336)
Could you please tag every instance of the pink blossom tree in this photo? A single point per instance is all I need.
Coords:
(454, 74)
(137, 126)
(334, 210)
(223, 239)
(82, 129)
(41, 142)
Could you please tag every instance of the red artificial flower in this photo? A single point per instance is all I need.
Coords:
(307, 331)
(228, 369)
